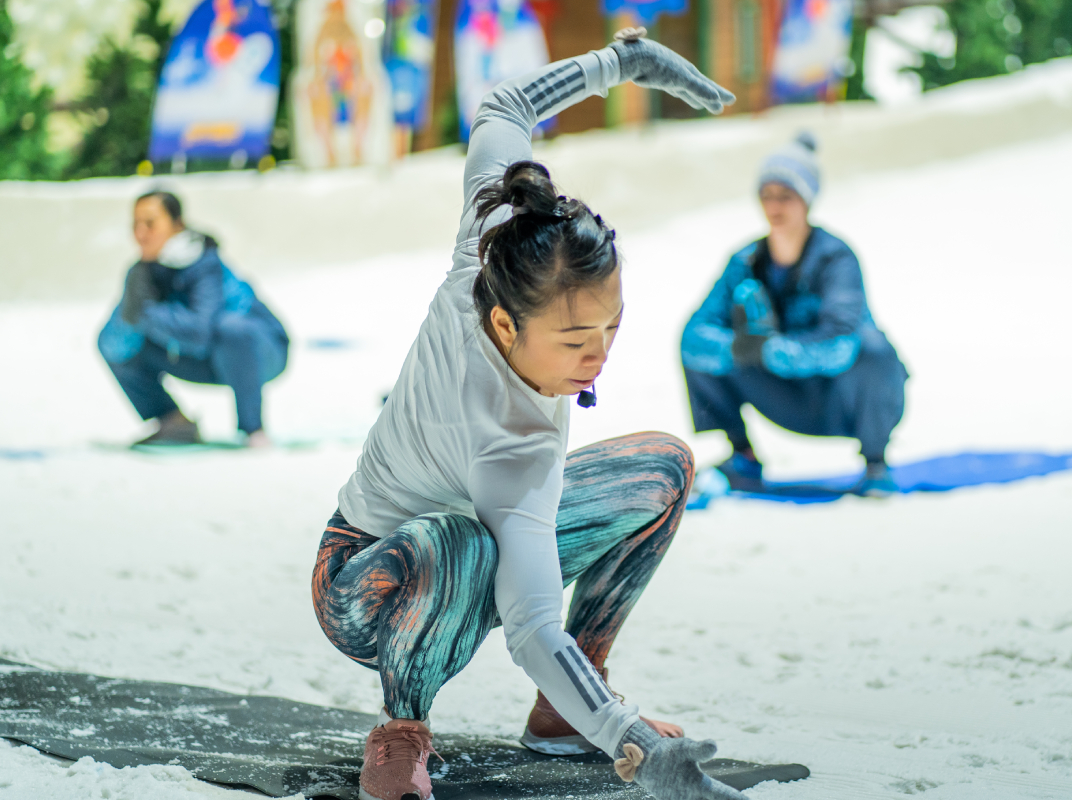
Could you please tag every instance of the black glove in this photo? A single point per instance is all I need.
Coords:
(139, 292)
(649, 64)
(747, 348)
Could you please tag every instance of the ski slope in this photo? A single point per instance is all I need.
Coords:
(920, 645)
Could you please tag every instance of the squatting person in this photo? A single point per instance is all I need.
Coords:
(465, 511)
(184, 313)
(787, 328)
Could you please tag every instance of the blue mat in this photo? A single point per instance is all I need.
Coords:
(21, 455)
(940, 474)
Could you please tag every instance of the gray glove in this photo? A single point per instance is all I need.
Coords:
(669, 768)
(651, 65)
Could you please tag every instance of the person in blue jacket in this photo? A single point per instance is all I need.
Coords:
(184, 313)
(787, 328)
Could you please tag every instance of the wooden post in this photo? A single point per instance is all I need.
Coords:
(442, 89)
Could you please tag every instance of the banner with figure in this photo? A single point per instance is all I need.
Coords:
(219, 86)
(340, 96)
(645, 11)
(494, 40)
(813, 49)
(409, 55)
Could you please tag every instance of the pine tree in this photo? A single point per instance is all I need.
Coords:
(999, 36)
(24, 113)
(119, 105)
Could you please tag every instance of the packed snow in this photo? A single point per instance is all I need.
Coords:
(919, 645)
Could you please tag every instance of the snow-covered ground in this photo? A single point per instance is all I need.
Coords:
(921, 645)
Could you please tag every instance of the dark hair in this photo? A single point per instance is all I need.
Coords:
(170, 202)
(553, 245)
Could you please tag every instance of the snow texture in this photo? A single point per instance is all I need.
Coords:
(916, 646)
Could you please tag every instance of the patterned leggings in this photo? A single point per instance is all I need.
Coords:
(416, 604)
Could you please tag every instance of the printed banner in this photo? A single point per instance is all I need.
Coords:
(409, 56)
(220, 84)
(494, 40)
(645, 10)
(813, 46)
(340, 94)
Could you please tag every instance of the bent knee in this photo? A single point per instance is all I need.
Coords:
(452, 540)
(235, 328)
(665, 456)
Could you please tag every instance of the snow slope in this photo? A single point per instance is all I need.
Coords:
(66, 241)
(921, 645)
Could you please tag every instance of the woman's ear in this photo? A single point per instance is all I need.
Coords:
(504, 328)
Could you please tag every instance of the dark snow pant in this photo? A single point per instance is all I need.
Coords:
(416, 604)
(245, 354)
(865, 402)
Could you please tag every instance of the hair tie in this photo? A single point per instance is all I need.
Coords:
(521, 210)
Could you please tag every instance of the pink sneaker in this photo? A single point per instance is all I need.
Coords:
(396, 762)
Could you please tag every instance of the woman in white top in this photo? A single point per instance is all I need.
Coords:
(465, 510)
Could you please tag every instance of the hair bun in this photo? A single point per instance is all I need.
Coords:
(527, 185)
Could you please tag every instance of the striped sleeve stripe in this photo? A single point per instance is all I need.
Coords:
(554, 87)
(576, 681)
(589, 672)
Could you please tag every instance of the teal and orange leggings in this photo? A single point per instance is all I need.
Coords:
(416, 604)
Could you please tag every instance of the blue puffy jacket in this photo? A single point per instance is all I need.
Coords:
(821, 309)
(183, 321)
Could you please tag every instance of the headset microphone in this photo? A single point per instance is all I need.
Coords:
(587, 397)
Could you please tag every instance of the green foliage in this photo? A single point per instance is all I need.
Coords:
(998, 36)
(24, 113)
(119, 105)
(854, 83)
(283, 16)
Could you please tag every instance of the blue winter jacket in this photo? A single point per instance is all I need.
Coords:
(822, 313)
(183, 322)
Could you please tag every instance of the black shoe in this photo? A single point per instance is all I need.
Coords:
(744, 474)
(877, 481)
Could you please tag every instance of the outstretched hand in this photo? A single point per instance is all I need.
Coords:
(653, 66)
(670, 768)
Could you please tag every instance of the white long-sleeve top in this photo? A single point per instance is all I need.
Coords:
(462, 433)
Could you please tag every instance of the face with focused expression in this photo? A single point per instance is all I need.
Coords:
(153, 226)
(562, 350)
(785, 209)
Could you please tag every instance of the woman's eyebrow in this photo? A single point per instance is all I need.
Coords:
(589, 327)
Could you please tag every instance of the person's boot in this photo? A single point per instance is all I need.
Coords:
(877, 481)
(744, 474)
(548, 732)
(396, 762)
(174, 430)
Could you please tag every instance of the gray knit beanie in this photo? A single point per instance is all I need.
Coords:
(795, 166)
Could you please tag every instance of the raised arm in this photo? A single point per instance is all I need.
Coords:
(502, 131)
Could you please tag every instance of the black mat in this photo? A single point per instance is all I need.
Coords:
(281, 747)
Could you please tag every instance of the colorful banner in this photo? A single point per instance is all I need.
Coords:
(409, 56)
(340, 94)
(494, 40)
(645, 10)
(813, 47)
(219, 86)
